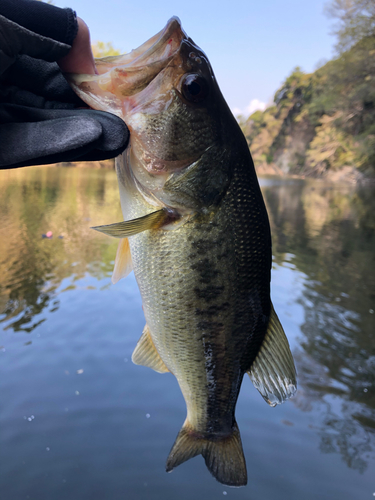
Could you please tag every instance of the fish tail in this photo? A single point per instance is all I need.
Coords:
(223, 455)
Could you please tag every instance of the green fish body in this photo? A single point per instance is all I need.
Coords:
(197, 235)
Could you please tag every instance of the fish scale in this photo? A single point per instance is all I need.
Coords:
(196, 233)
(165, 128)
(211, 310)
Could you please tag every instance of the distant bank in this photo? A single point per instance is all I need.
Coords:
(322, 124)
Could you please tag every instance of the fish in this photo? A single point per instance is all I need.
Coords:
(197, 235)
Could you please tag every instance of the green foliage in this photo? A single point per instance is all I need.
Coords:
(268, 132)
(347, 85)
(356, 20)
(297, 86)
(321, 121)
(104, 49)
(331, 148)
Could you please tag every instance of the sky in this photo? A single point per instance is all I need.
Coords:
(253, 45)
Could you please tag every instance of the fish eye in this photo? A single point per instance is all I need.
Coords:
(194, 88)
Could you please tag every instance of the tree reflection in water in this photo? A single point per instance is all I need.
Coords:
(326, 232)
(330, 232)
(62, 200)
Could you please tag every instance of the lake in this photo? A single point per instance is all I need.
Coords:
(80, 421)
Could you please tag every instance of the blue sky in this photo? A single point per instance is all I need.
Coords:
(252, 45)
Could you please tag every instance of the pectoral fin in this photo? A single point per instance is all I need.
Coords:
(273, 372)
(131, 227)
(123, 262)
(145, 353)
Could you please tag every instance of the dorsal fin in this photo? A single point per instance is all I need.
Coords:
(273, 372)
(123, 261)
(145, 353)
(129, 228)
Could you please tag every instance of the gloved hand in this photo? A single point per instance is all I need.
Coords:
(40, 119)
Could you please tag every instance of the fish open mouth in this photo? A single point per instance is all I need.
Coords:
(158, 48)
(148, 88)
(126, 75)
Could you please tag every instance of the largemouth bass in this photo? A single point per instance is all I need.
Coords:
(197, 235)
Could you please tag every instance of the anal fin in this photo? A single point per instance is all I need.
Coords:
(123, 262)
(273, 372)
(145, 353)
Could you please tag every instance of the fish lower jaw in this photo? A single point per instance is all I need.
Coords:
(150, 165)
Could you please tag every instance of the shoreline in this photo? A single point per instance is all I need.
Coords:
(346, 175)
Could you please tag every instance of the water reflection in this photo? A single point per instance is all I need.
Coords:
(330, 231)
(325, 234)
(62, 200)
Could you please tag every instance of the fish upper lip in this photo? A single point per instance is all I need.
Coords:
(138, 57)
(172, 26)
(161, 47)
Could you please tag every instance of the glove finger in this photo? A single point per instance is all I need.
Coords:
(34, 136)
(15, 39)
(14, 95)
(114, 134)
(27, 142)
(42, 79)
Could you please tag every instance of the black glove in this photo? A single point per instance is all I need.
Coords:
(39, 117)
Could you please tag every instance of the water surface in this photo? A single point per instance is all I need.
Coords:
(79, 421)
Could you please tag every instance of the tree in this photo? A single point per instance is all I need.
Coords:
(104, 49)
(330, 149)
(356, 20)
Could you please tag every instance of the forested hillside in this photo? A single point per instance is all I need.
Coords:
(324, 122)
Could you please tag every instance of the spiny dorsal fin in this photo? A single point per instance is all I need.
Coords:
(273, 372)
(123, 262)
(135, 226)
(224, 457)
(145, 353)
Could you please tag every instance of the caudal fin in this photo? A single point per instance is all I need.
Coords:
(223, 455)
